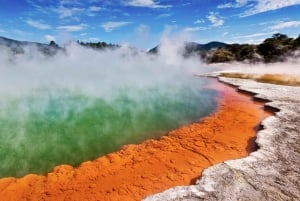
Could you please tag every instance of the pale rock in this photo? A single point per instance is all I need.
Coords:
(270, 173)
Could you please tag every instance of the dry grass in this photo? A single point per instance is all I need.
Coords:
(281, 79)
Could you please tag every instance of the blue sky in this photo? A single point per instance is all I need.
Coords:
(141, 23)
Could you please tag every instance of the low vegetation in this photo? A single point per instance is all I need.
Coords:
(282, 79)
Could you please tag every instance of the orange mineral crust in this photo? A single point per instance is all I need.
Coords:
(154, 165)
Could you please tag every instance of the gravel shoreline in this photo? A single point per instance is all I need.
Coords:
(270, 173)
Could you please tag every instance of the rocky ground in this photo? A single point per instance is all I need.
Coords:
(270, 173)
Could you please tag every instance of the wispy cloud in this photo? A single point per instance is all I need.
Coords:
(95, 8)
(142, 28)
(65, 12)
(259, 6)
(284, 25)
(268, 5)
(20, 32)
(36, 5)
(236, 4)
(186, 4)
(38, 24)
(164, 15)
(252, 36)
(65, 2)
(72, 28)
(199, 21)
(193, 29)
(215, 19)
(93, 39)
(146, 3)
(226, 5)
(110, 26)
(50, 38)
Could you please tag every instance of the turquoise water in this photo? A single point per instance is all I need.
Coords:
(49, 126)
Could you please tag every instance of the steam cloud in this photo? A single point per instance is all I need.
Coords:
(88, 70)
(48, 105)
(289, 67)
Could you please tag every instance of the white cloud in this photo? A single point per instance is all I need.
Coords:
(93, 39)
(226, 5)
(164, 15)
(50, 38)
(142, 29)
(72, 28)
(200, 21)
(215, 19)
(284, 25)
(20, 32)
(236, 4)
(267, 5)
(68, 12)
(38, 24)
(259, 6)
(186, 4)
(65, 10)
(95, 8)
(146, 3)
(252, 36)
(193, 29)
(110, 26)
(66, 2)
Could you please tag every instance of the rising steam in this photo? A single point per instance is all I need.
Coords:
(82, 103)
(289, 67)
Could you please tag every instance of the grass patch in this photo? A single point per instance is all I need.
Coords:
(280, 79)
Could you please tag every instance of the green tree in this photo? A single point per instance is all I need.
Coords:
(53, 44)
(297, 42)
(280, 37)
(273, 49)
(221, 55)
(247, 52)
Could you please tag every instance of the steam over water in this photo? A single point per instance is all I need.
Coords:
(82, 103)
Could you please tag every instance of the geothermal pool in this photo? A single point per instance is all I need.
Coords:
(81, 104)
(48, 127)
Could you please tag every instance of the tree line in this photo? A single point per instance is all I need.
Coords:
(98, 45)
(274, 49)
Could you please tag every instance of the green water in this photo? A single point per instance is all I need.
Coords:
(50, 127)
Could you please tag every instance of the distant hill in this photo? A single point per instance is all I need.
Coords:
(278, 48)
(18, 46)
(192, 47)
